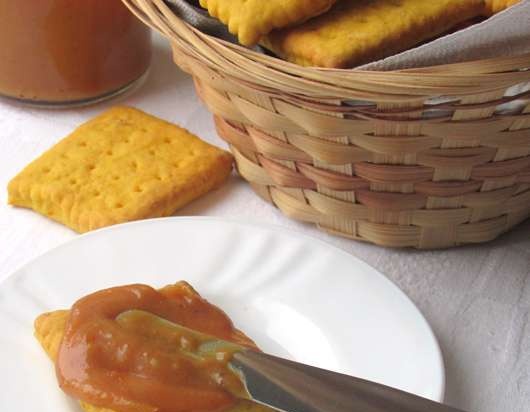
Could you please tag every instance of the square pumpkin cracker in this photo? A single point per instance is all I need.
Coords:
(121, 166)
(50, 328)
(496, 6)
(251, 19)
(354, 32)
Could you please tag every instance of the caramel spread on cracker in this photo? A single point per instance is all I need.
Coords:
(110, 364)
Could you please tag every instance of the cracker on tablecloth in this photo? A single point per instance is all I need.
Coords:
(123, 165)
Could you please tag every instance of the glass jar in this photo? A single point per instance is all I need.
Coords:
(70, 52)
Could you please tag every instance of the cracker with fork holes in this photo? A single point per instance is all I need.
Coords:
(121, 166)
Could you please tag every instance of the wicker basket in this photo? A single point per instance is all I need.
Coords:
(426, 158)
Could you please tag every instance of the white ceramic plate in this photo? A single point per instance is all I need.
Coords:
(296, 296)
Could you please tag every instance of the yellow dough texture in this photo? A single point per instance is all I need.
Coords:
(355, 32)
(251, 19)
(121, 166)
(496, 6)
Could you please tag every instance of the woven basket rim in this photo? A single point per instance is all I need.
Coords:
(475, 66)
(276, 76)
(498, 62)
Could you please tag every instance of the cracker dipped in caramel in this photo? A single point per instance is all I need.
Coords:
(109, 368)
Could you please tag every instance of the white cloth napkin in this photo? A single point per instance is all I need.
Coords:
(505, 34)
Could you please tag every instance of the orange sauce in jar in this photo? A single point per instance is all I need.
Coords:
(108, 365)
(61, 51)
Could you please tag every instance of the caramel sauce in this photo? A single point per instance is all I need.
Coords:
(124, 368)
(69, 50)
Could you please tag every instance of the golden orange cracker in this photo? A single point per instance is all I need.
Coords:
(50, 328)
(121, 166)
(496, 6)
(354, 32)
(251, 19)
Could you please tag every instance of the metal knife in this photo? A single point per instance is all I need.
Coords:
(289, 386)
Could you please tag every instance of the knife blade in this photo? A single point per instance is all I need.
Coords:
(285, 385)
(294, 387)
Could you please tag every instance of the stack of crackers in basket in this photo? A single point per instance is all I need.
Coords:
(345, 33)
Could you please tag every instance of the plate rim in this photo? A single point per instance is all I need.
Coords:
(271, 227)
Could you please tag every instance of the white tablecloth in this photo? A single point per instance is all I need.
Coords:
(477, 299)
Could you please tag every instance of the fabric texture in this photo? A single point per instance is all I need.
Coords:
(191, 12)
